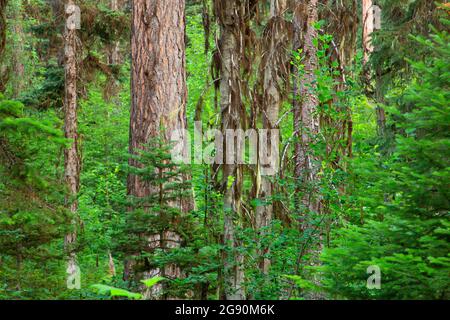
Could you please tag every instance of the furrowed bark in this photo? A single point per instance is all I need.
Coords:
(158, 101)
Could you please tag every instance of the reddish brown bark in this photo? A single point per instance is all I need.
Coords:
(158, 97)
(158, 76)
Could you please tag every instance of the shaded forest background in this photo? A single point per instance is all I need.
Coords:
(358, 89)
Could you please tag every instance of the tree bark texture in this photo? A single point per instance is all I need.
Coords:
(274, 74)
(230, 16)
(72, 162)
(158, 99)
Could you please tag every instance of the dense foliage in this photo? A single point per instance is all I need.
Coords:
(384, 199)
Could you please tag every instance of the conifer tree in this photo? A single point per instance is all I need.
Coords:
(158, 107)
(405, 230)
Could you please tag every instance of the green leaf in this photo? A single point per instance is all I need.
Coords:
(230, 182)
(116, 292)
(152, 281)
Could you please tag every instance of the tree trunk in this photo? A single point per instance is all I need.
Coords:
(3, 4)
(158, 97)
(368, 28)
(18, 66)
(306, 122)
(114, 50)
(230, 15)
(72, 163)
(275, 70)
(112, 266)
(372, 20)
(3, 71)
(342, 24)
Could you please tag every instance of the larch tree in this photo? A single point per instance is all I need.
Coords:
(72, 161)
(158, 103)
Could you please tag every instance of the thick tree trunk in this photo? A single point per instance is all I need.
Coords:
(306, 122)
(72, 163)
(158, 97)
(230, 14)
(274, 73)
